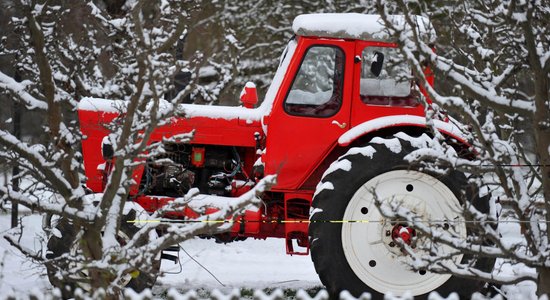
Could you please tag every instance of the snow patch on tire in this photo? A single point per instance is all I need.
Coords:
(57, 233)
(365, 151)
(343, 164)
(323, 186)
(393, 144)
(314, 210)
(423, 141)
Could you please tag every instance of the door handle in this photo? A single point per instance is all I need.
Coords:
(341, 125)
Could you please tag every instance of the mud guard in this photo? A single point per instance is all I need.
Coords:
(447, 128)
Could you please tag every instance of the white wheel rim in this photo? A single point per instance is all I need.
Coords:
(366, 242)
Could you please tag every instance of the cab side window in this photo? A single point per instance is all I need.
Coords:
(385, 79)
(317, 88)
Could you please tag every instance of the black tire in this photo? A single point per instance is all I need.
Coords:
(58, 246)
(330, 203)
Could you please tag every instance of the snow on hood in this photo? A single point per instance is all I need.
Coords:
(356, 26)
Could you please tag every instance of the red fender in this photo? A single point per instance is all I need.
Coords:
(446, 128)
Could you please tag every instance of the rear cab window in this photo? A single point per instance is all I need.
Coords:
(385, 79)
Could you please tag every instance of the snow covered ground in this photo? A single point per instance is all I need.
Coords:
(250, 264)
(246, 264)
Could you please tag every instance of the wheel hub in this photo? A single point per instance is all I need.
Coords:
(405, 233)
(394, 234)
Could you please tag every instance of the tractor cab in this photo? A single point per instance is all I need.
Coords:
(345, 71)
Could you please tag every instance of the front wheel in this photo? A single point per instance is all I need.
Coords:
(67, 242)
(355, 248)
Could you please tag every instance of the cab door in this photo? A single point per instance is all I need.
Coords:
(311, 110)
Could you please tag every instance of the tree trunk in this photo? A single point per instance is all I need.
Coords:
(542, 134)
(542, 130)
(15, 173)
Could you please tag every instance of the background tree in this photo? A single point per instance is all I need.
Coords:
(262, 30)
(491, 62)
(494, 60)
(64, 51)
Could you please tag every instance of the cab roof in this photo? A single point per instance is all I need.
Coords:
(357, 26)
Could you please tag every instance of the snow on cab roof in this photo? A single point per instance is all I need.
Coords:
(356, 26)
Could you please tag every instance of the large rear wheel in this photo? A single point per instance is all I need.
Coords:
(364, 255)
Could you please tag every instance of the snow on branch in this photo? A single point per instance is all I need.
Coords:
(9, 84)
(54, 175)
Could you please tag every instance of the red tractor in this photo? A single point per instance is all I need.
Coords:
(335, 126)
